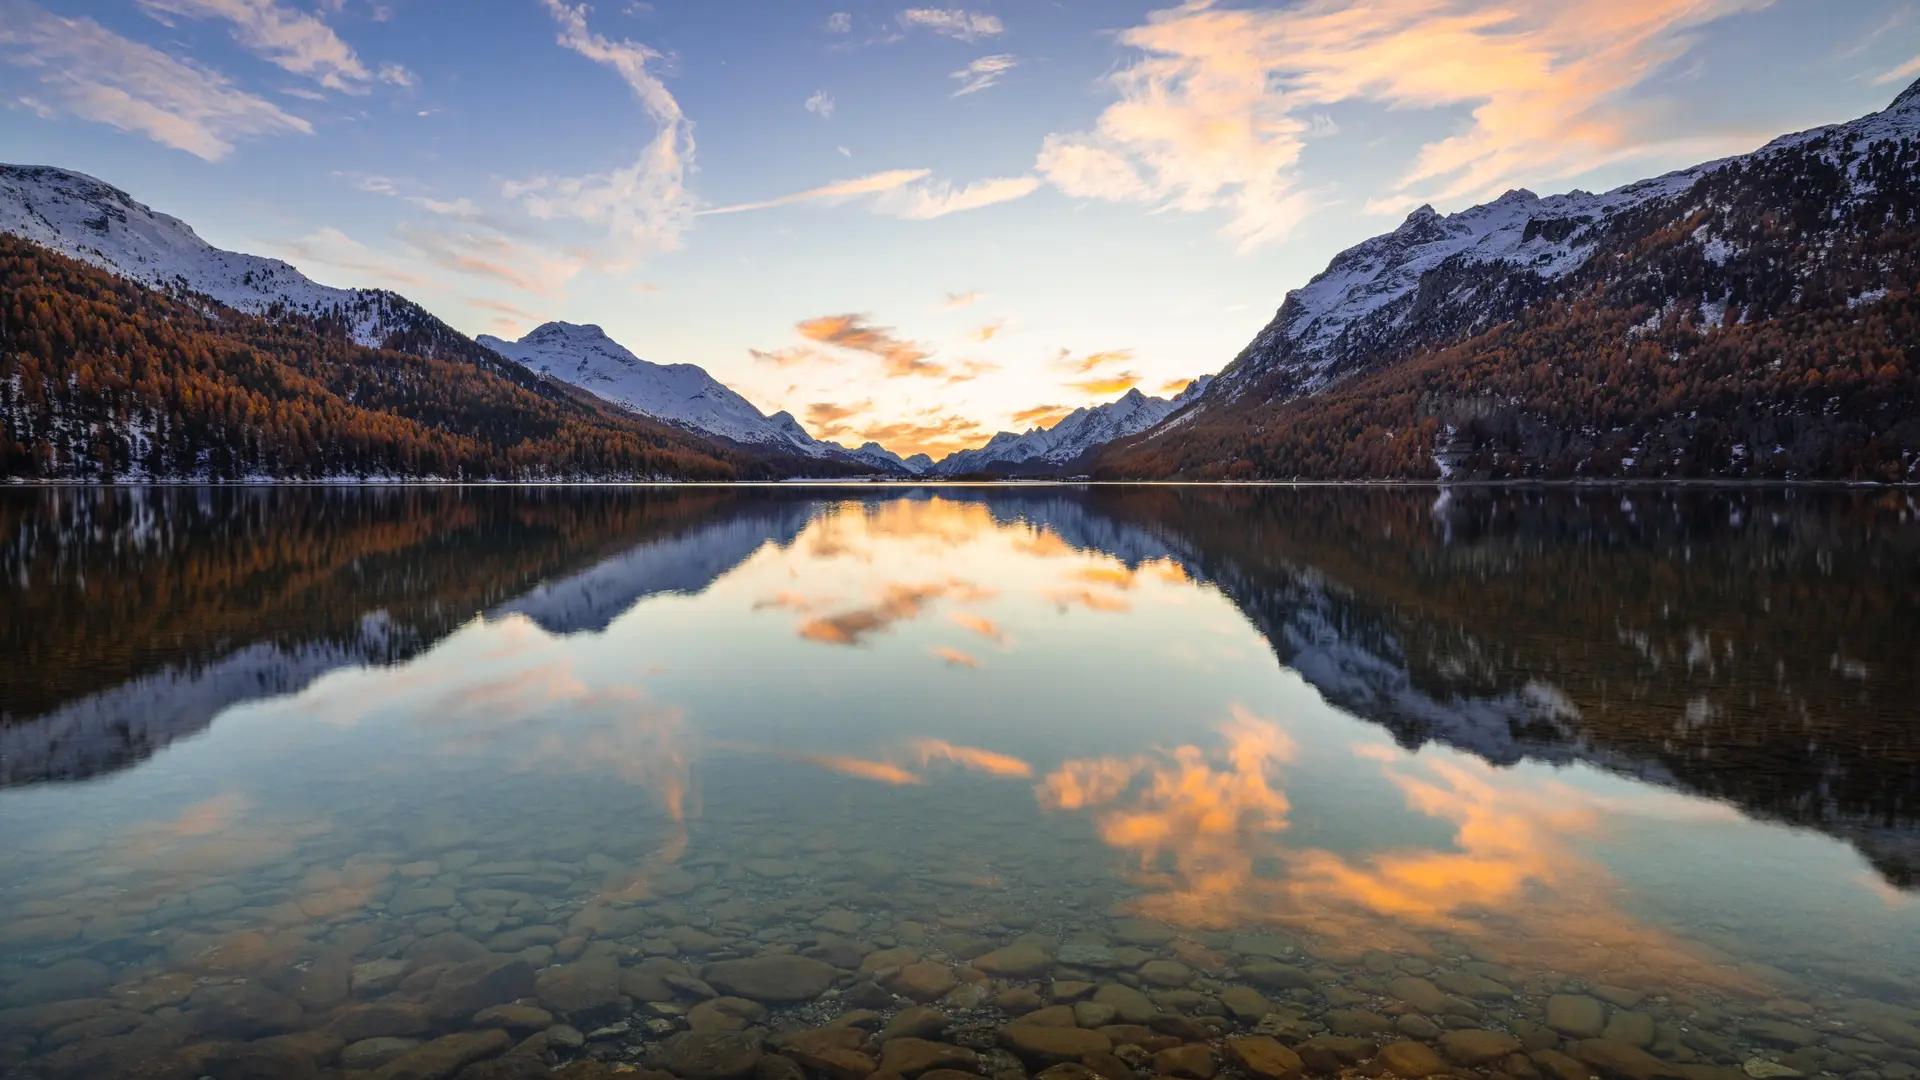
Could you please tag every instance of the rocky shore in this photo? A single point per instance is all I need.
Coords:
(794, 959)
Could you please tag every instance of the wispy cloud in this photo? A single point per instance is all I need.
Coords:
(897, 603)
(935, 436)
(836, 192)
(953, 657)
(1042, 415)
(488, 254)
(901, 193)
(1215, 114)
(91, 72)
(1904, 73)
(820, 104)
(828, 419)
(969, 370)
(958, 300)
(646, 203)
(979, 624)
(1175, 386)
(900, 358)
(1107, 385)
(840, 22)
(956, 23)
(297, 41)
(983, 73)
(936, 199)
(1093, 361)
(987, 331)
(330, 248)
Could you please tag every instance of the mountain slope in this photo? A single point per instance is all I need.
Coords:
(1047, 449)
(97, 223)
(683, 394)
(104, 378)
(1693, 325)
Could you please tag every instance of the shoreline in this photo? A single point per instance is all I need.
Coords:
(19, 483)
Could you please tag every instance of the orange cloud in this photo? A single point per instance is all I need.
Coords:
(1093, 361)
(898, 603)
(953, 657)
(863, 768)
(1087, 598)
(1107, 385)
(972, 369)
(1174, 387)
(1117, 576)
(979, 624)
(1216, 113)
(930, 751)
(937, 437)
(1042, 415)
(1207, 828)
(791, 356)
(899, 358)
(986, 331)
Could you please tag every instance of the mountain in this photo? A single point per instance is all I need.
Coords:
(254, 370)
(683, 394)
(98, 224)
(1042, 450)
(879, 456)
(1749, 317)
(104, 378)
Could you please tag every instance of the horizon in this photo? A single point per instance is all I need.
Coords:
(1188, 165)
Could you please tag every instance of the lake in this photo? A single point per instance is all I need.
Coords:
(770, 781)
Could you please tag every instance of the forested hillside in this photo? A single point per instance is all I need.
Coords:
(1754, 318)
(104, 378)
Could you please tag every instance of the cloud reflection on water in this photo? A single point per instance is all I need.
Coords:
(1208, 831)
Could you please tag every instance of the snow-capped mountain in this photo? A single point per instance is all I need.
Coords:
(97, 223)
(683, 394)
(1042, 449)
(874, 454)
(1440, 277)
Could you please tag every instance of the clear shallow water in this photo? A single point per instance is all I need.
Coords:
(283, 768)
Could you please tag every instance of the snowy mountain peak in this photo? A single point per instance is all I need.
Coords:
(874, 454)
(1909, 99)
(1039, 449)
(93, 221)
(581, 354)
(1371, 296)
(587, 333)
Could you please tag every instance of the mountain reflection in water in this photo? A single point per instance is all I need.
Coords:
(1752, 646)
(1633, 737)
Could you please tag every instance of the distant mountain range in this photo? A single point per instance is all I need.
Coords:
(1047, 451)
(684, 394)
(1750, 317)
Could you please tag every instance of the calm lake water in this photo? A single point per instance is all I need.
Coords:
(1620, 782)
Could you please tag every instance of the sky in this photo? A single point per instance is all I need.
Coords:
(916, 225)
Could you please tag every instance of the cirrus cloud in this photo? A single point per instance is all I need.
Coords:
(901, 193)
(957, 23)
(296, 41)
(983, 72)
(93, 73)
(645, 203)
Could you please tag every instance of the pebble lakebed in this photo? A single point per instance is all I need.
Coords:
(509, 948)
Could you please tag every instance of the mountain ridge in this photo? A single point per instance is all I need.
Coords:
(1689, 324)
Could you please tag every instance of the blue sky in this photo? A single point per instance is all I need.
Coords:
(916, 224)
